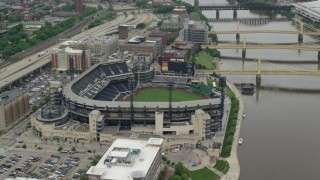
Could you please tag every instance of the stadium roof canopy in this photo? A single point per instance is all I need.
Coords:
(309, 10)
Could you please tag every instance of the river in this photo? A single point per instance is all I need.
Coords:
(281, 129)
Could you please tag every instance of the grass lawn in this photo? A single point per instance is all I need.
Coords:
(204, 59)
(204, 174)
(162, 95)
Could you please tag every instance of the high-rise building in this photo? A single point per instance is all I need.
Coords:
(14, 106)
(100, 46)
(141, 45)
(196, 32)
(79, 6)
(70, 58)
(123, 31)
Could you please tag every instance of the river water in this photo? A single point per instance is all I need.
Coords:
(281, 129)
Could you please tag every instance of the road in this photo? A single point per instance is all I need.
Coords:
(27, 65)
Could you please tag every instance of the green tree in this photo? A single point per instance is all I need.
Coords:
(175, 177)
(184, 177)
(60, 148)
(95, 160)
(73, 149)
(141, 3)
(163, 9)
(68, 7)
(141, 26)
(180, 170)
(83, 177)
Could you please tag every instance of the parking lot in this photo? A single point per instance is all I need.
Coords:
(43, 165)
(192, 158)
(29, 156)
(22, 154)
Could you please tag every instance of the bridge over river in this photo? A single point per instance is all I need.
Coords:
(246, 7)
(305, 47)
(265, 31)
(258, 72)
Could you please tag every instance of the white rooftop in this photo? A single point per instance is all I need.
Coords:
(155, 141)
(119, 154)
(141, 153)
(73, 51)
(69, 43)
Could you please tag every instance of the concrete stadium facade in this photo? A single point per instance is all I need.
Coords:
(80, 103)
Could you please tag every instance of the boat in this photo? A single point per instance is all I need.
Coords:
(247, 88)
(244, 115)
(240, 141)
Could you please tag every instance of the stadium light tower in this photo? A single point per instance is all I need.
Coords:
(131, 101)
(170, 86)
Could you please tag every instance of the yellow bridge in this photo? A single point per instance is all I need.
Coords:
(265, 32)
(258, 71)
(305, 47)
(262, 72)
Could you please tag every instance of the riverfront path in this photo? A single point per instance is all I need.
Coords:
(234, 171)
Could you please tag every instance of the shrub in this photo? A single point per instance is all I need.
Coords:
(222, 165)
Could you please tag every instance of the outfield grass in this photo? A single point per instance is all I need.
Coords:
(204, 59)
(162, 95)
(204, 174)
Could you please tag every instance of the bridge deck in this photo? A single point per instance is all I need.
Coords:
(264, 31)
(305, 47)
(238, 7)
(264, 72)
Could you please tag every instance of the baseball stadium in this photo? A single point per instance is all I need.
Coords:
(131, 96)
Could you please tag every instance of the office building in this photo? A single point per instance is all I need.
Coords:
(195, 32)
(14, 106)
(70, 58)
(139, 45)
(100, 47)
(172, 24)
(123, 31)
(129, 159)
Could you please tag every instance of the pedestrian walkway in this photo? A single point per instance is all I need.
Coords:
(234, 170)
(217, 172)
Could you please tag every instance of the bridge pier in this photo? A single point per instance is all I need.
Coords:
(238, 38)
(318, 60)
(217, 14)
(235, 14)
(258, 81)
(257, 93)
(244, 52)
(196, 3)
(300, 38)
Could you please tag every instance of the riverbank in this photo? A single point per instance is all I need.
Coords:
(234, 170)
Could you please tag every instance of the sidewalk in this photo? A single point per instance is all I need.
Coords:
(217, 172)
(234, 171)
